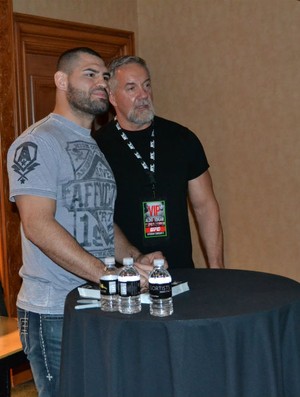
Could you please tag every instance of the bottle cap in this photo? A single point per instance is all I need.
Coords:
(110, 260)
(158, 262)
(128, 261)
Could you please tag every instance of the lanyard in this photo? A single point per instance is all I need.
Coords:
(150, 170)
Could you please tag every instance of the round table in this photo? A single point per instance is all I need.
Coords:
(234, 334)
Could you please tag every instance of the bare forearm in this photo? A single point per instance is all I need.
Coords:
(211, 233)
(123, 248)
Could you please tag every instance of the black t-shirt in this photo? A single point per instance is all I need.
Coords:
(179, 157)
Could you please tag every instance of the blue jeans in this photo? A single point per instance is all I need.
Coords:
(41, 336)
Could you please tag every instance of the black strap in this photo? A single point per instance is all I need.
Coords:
(150, 170)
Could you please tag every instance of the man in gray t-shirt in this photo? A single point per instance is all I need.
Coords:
(57, 159)
(65, 193)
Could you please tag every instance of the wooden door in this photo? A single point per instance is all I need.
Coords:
(37, 43)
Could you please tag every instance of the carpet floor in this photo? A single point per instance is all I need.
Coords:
(24, 390)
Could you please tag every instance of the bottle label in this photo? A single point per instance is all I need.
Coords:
(160, 291)
(109, 285)
(129, 288)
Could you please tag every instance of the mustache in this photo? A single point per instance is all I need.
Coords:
(101, 89)
(144, 102)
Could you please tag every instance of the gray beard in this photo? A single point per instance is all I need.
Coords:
(139, 118)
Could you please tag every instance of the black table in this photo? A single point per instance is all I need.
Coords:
(234, 334)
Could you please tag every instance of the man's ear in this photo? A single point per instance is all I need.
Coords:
(112, 99)
(61, 80)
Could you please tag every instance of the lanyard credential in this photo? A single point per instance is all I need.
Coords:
(150, 170)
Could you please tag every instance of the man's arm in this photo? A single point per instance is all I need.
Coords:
(143, 263)
(207, 214)
(123, 248)
(40, 227)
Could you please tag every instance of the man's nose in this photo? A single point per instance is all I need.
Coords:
(102, 82)
(144, 92)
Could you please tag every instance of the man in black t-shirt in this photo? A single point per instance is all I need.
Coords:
(158, 165)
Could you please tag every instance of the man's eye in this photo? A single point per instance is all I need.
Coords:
(90, 74)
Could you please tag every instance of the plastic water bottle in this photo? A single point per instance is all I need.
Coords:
(160, 290)
(109, 286)
(129, 284)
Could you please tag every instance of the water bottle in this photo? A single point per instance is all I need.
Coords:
(109, 286)
(160, 290)
(129, 285)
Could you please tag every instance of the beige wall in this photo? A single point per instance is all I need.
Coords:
(119, 14)
(229, 70)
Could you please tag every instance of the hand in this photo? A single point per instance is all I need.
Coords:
(144, 265)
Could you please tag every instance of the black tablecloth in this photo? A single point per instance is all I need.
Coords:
(234, 334)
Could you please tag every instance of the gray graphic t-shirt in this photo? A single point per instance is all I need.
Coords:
(58, 159)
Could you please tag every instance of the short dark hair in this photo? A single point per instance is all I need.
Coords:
(125, 60)
(66, 58)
